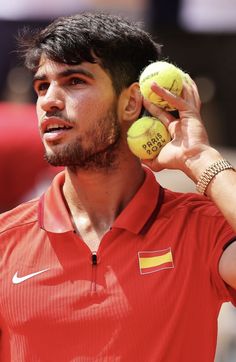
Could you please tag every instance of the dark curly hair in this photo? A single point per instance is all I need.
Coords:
(120, 46)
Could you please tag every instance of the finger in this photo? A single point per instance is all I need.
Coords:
(153, 164)
(191, 85)
(191, 95)
(175, 101)
(165, 117)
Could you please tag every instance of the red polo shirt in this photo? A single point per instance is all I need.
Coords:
(151, 293)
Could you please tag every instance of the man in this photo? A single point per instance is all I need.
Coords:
(107, 265)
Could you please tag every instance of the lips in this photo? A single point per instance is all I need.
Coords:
(54, 128)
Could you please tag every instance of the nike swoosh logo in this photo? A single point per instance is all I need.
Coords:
(17, 280)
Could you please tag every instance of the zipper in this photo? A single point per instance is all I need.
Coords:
(94, 261)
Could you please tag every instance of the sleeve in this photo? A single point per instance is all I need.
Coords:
(216, 236)
(226, 293)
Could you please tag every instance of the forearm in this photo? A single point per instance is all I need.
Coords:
(222, 188)
(189, 150)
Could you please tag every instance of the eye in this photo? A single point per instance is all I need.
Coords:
(77, 81)
(41, 87)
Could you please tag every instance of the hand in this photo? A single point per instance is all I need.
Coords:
(189, 137)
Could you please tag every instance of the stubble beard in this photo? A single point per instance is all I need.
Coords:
(102, 152)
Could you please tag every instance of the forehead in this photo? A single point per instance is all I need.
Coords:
(47, 65)
(51, 69)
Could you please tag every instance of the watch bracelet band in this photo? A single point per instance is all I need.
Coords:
(210, 173)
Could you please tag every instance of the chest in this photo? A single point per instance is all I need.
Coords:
(59, 278)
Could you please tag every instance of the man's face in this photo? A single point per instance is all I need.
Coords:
(77, 113)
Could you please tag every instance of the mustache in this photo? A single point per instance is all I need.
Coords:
(57, 114)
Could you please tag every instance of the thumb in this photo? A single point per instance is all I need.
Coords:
(152, 164)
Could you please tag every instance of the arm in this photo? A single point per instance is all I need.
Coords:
(190, 152)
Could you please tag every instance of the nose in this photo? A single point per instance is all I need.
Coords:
(53, 99)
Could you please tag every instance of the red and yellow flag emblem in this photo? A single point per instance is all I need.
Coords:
(152, 261)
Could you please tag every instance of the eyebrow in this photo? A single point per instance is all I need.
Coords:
(65, 73)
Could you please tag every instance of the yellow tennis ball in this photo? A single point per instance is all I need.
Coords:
(165, 75)
(186, 77)
(147, 136)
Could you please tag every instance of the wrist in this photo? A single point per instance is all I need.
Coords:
(197, 163)
(210, 173)
(205, 167)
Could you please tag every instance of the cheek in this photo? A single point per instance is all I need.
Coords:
(97, 99)
(79, 107)
(92, 104)
(39, 112)
(88, 108)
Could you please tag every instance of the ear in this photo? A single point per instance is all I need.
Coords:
(130, 103)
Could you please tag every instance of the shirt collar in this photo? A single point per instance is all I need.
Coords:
(54, 215)
(145, 204)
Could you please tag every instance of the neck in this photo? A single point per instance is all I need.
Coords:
(98, 197)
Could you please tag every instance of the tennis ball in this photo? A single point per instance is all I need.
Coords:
(146, 137)
(186, 78)
(165, 75)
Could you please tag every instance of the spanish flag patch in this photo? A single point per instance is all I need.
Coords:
(153, 261)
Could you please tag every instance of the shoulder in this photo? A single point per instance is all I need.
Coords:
(190, 202)
(199, 218)
(21, 215)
